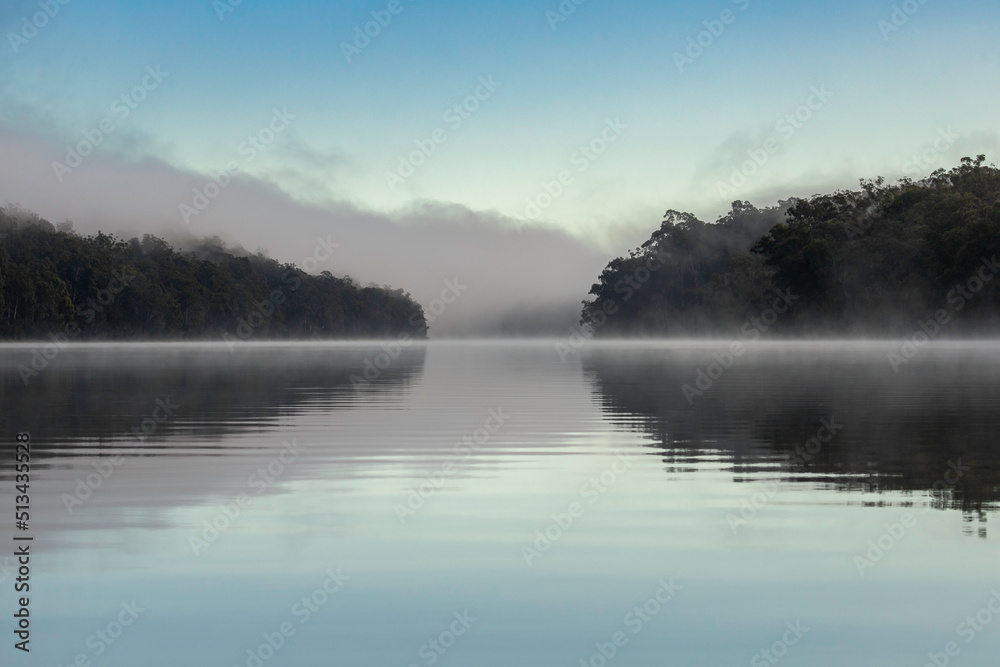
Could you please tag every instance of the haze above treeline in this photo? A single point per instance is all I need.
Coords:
(883, 260)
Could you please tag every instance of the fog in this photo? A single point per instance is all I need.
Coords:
(511, 280)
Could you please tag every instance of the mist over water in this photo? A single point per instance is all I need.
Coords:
(897, 429)
(534, 334)
(447, 483)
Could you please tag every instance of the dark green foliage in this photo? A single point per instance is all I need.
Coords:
(871, 261)
(102, 287)
(703, 265)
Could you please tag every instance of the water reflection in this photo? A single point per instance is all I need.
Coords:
(907, 431)
(91, 397)
(124, 435)
(364, 451)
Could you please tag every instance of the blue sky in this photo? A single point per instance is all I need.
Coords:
(585, 131)
(686, 130)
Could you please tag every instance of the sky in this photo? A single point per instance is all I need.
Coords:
(443, 140)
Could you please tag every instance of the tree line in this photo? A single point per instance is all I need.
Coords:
(54, 281)
(873, 261)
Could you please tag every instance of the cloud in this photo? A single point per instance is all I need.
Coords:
(295, 149)
(417, 249)
(307, 172)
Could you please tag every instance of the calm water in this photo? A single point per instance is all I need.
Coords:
(811, 503)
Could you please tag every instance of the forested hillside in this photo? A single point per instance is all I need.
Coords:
(56, 282)
(873, 261)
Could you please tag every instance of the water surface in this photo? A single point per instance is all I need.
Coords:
(752, 507)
